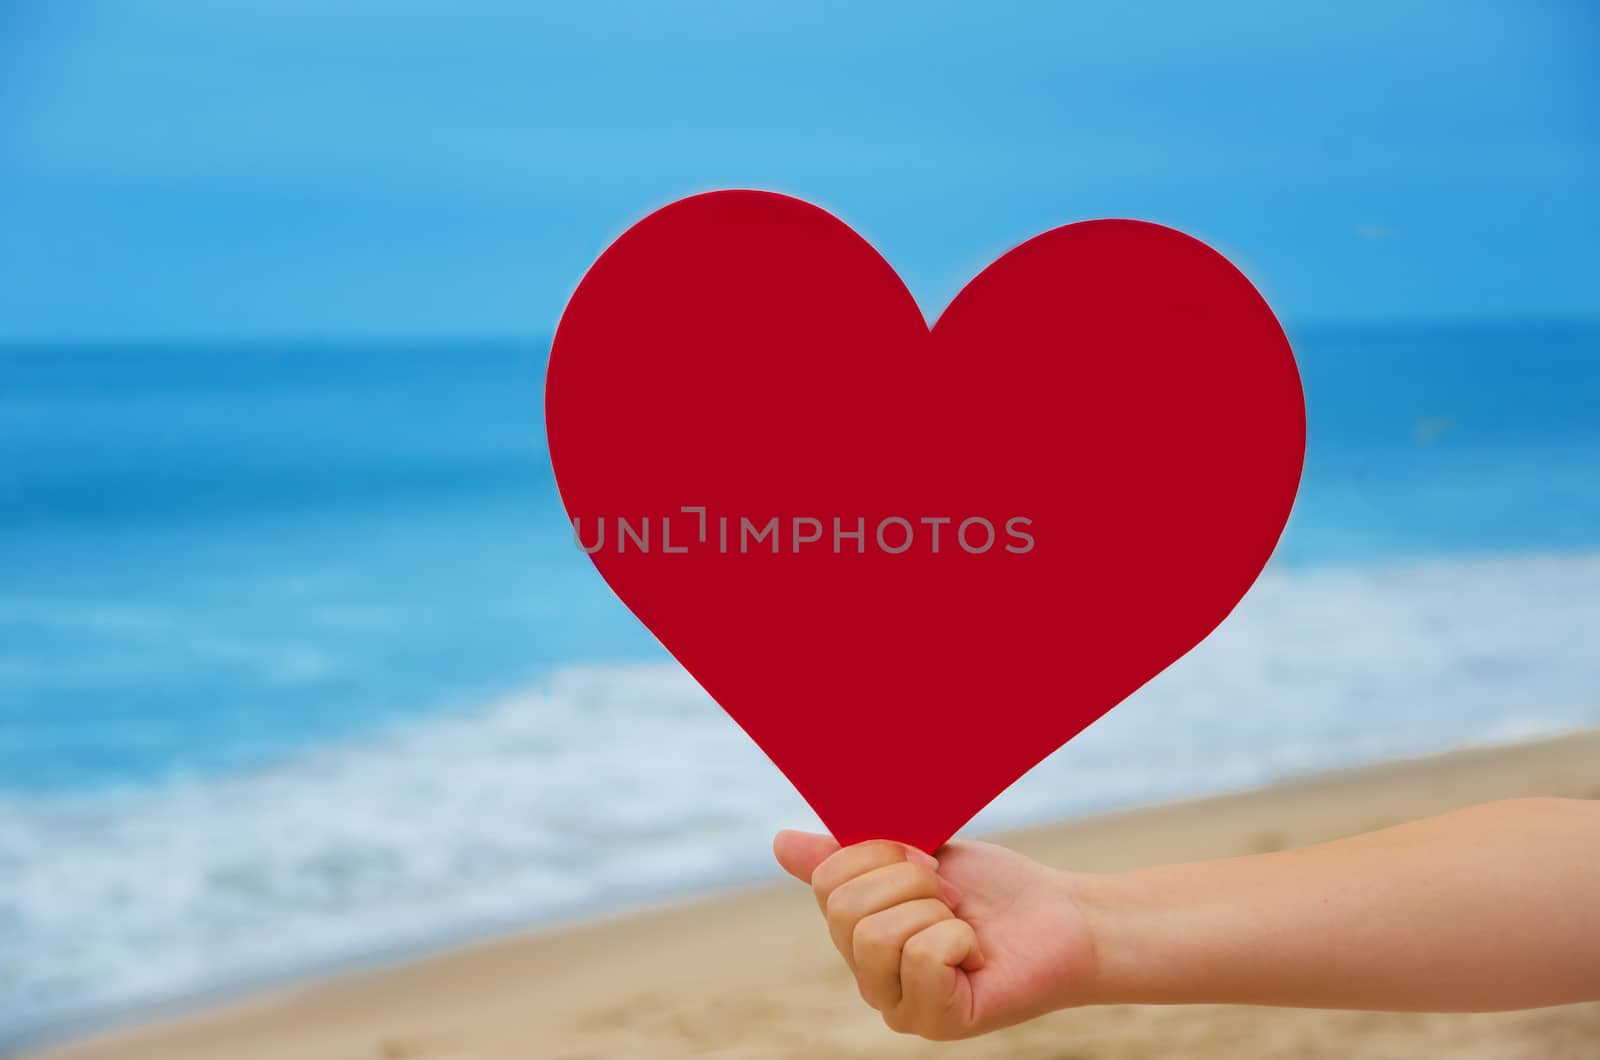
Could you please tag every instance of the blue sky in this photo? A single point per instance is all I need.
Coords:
(192, 169)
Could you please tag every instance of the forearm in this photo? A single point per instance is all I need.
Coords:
(1494, 907)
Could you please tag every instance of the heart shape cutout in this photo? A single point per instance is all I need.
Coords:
(911, 562)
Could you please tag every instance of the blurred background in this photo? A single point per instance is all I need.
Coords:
(298, 666)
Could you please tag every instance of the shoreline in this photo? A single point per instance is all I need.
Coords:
(745, 968)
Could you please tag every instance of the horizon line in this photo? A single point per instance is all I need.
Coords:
(377, 339)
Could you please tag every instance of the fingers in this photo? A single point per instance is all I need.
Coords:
(936, 994)
(801, 852)
(877, 943)
(891, 917)
(853, 861)
(872, 892)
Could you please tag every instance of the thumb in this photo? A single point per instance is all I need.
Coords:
(801, 852)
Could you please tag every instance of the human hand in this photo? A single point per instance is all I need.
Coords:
(986, 938)
(978, 939)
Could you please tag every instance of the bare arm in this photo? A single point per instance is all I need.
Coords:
(1493, 907)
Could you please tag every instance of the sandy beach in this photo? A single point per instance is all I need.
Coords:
(751, 974)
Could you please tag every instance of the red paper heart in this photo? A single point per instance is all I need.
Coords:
(1117, 384)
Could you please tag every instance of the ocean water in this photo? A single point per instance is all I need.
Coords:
(299, 667)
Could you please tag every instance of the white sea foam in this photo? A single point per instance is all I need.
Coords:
(610, 784)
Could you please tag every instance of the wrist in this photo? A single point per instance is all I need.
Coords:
(1116, 912)
(1090, 978)
(1170, 935)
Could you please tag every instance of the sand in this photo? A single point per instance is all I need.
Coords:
(751, 974)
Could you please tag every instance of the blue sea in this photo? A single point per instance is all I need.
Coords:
(299, 667)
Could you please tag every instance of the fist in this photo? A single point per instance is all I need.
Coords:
(950, 947)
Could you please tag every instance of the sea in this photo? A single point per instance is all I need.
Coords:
(300, 669)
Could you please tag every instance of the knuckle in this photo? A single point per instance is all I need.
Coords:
(922, 947)
(825, 882)
(840, 906)
(871, 935)
(897, 1019)
(845, 865)
(906, 882)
